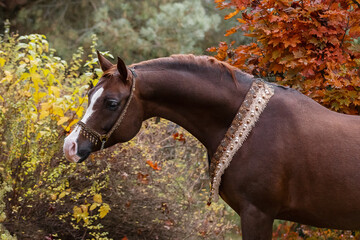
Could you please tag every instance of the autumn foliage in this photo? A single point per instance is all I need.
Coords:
(308, 45)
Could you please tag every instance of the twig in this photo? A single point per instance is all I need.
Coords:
(345, 30)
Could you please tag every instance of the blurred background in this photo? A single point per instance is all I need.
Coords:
(135, 30)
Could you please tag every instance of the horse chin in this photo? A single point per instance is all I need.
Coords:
(83, 157)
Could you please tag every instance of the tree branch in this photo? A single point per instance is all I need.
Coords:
(358, 4)
(345, 30)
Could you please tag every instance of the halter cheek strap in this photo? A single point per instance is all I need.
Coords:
(93, 135)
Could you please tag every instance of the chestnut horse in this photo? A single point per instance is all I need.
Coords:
(300, 162)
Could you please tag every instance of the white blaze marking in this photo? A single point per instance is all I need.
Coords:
(90, 110)
(69, 149)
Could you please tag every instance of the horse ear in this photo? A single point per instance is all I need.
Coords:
(122, 68)
(104, 63)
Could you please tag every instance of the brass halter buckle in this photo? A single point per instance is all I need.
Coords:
(93, 135)
(103, 140)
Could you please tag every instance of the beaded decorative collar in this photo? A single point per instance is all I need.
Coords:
(249, 112)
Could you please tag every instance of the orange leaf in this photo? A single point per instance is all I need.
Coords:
(230, 31)
(153, 165)
(355, 31)
(211, 49)
(240, 20)
(277, 68)
(292, 42)
(308, 72)
(230, 15)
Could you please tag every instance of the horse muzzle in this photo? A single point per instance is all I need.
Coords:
(70, 151)
(75, 152)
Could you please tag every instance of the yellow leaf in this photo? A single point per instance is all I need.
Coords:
(93, 206)
(77, 213)
(95, 82)
(38, 96)
(46, 72)
(80, 112)
(2, 62)
(53, 196)
(62, 120)
(55, 90)
(97, 198)
(46, 106)
(86, 219)
(43, 114)
(52, 78)
(58, 111)
(103, 210)
(24, 76)
(77, 210)
(38, 136)
(67, 128)
(36, 78)
(85, 213)
(62, 194)
(84, 208)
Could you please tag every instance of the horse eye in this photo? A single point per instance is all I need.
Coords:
(112, 104)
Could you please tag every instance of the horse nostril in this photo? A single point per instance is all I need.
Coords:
(72, 149)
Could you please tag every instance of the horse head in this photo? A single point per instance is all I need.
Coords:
(113, 114)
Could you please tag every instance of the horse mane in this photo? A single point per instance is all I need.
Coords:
(190, 61)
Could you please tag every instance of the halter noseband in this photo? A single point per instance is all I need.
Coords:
(93, 135)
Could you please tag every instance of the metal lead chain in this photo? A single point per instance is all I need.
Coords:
(103, 144)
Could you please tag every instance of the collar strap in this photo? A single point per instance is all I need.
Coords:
(93, 135)
(249, 112)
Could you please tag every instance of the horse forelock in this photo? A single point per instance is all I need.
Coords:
(110, 72)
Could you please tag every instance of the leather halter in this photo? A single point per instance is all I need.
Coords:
(93, 135)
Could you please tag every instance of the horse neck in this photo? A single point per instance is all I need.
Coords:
(204, 103)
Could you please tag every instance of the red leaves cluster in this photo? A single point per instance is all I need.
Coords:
(308, 45)
(179, 137)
